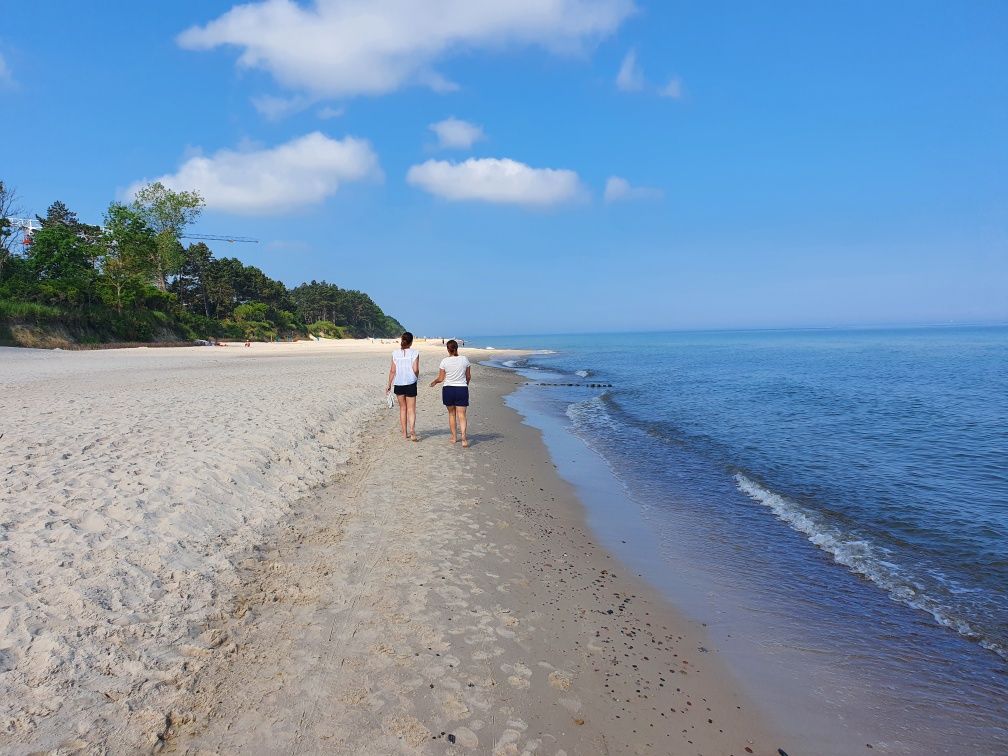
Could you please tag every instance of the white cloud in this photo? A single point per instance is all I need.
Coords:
(453, 133)
(352, 47)
(6, 75)
(304, 171)
(328, 112)
(437, 82)
(274, 108)
(496, 180)
(630, 77)
(618, 189)
(673, 89)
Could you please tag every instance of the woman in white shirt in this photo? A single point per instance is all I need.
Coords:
(403, 372)
(455, 374)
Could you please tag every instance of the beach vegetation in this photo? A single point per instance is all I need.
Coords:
(27, 311)
(132, 280)
(252, 321)
(328, 330)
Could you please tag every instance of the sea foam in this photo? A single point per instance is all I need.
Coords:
(865, 558)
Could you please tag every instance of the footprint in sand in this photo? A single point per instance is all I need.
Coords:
(487, 654)
(454, 708)
(355, 697)
(560, 679)
(519, 676)
(408, 728)
(466, 738)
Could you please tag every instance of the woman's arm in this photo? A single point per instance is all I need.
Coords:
(439, 379)
(391, 376)
(416, 366)
(468, 374)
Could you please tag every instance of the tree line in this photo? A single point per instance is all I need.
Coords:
(132, 279)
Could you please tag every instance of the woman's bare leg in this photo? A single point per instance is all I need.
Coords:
(402, 414)
(451, 423)
(411, 416)
(462, 425)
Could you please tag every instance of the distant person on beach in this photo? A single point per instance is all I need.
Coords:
(455, 373)
(403, 372)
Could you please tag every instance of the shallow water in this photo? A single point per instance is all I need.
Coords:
(837, 502)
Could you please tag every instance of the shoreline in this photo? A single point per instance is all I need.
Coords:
(841, 665)
(557, 648)
(213, 604)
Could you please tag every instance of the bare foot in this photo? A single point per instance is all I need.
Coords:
(454, 440)
(465, 443)
(414, 437)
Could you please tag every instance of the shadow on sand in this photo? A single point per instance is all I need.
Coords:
(474, 438)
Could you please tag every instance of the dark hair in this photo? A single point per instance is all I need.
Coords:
(405, 340)
(452, 346)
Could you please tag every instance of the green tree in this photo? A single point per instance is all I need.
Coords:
(126, 258)
(59, 214)
(168, 213)
(190, 285)
(62, 263)
(8, 208)
(355, 310)
(221, 281)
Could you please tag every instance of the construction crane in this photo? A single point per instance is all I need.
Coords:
(27, 226)
(218, 237)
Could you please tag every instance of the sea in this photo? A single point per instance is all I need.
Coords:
(831, 504)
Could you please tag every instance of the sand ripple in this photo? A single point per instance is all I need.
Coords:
(129, 481)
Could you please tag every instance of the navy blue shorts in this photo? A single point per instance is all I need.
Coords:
(455, 396)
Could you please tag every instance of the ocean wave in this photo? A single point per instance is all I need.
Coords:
(920, 587)
(592, 414)
(865, 558)
(582, 373)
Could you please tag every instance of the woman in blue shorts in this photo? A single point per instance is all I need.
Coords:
(455, 374)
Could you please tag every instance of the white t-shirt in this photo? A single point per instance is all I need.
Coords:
(403, 359)
(454, 370)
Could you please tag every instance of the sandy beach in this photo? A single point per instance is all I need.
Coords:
(227, 549)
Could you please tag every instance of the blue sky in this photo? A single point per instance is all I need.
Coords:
(782, 164)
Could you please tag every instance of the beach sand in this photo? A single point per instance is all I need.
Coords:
(223, 549)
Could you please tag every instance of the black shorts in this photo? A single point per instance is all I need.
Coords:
(455, 396)
(408, 390)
